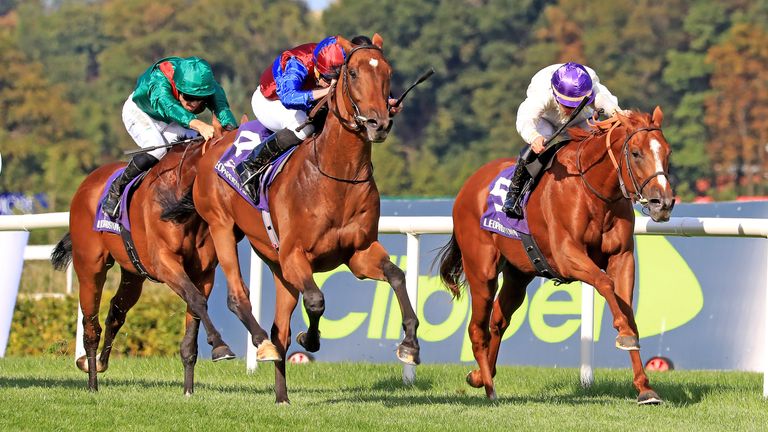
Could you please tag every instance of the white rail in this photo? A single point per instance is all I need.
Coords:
(414, 226)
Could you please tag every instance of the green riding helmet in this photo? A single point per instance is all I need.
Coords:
(193, 76)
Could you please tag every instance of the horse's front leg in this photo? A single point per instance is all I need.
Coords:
(374, 263)
(621, 268)
(286, 299)
(297, 273)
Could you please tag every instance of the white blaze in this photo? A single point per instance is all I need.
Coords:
(373, 62)
(656, 148)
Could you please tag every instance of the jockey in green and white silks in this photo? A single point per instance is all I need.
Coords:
(552, 96)
(163, 108)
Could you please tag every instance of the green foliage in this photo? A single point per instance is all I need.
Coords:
(70, 64)
(153, 327)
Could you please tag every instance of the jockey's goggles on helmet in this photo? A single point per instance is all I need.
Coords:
(192, 98)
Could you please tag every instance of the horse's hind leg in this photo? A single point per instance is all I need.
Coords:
(127, 295)
(480, 268)
(172, 272)
(91, 268)
(188, 348)
(510, 298)
(374, 263)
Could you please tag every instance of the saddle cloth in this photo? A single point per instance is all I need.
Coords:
(494, 219)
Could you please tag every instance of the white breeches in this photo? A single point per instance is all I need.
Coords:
(148, 132)
(275, 116)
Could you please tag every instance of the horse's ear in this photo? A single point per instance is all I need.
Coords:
(345, 44)
(658, 116)
(378, 40)
(244, 118)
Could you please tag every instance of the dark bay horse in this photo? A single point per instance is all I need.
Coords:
(174, 248)
(325, 208)
(582, 219)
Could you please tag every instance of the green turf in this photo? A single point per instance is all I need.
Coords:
(145, 394)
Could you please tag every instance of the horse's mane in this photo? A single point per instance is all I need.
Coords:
(598, 129)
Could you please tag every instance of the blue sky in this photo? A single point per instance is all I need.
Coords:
(317, 4)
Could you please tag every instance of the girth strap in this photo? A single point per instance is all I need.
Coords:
(539, 262)
(130, 247)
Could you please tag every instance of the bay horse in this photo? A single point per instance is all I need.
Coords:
(325, 208)
(174, 247)
(582, 219)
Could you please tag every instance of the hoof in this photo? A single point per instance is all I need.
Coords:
(408, 355)
(82, 364)
(283, 403)
(311, 346)
(492, 395)
(222, 353)
(627, 343)
(649, 397)
(267, 351)
(473, 379)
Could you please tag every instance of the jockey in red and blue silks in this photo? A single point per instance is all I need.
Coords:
(552, 96)
(288, 89)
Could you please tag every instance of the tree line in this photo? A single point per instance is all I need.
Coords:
(68, 66)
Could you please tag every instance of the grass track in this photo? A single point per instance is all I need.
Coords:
(145, 394)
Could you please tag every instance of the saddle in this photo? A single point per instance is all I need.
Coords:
(122, 224)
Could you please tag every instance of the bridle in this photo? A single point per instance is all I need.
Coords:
(637, 195)
(358, 122)
(358, 119)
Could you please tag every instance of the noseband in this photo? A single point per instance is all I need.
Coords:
(359, 120)
(637, 195)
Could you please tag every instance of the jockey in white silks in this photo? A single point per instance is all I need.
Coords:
(552, 96)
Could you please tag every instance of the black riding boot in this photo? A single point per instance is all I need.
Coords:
(140, 163)
(273, 146)
(513, 205)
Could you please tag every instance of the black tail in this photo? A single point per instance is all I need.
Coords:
(62, 253)
(176, 210)
(451, 267)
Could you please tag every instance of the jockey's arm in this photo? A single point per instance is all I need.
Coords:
(166, 105)
(528, 114)
(289, 86)
(221, 109)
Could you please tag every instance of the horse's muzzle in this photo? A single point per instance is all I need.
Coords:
(377, 129)
(660, 205)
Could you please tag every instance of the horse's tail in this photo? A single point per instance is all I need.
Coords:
(451, 267)
(177, 210)
(62, 253)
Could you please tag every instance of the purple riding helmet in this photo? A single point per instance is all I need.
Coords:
(571, 83)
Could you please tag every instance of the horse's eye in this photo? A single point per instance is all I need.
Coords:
(635, 154)
(353, 73)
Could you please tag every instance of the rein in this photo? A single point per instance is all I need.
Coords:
(637, 195)
(353, 126)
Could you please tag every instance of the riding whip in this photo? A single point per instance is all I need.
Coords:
(149, 149)
(421, 79)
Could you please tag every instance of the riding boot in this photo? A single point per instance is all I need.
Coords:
(140, 163)
(512, 204)
(272, 147)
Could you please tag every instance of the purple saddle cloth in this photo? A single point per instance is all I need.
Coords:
(494, 219)
(103, 222)
(249, 135)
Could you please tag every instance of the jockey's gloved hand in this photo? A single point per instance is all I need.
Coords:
(394, 110)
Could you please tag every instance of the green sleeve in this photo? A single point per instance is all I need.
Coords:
(163, 102)
(221, 108)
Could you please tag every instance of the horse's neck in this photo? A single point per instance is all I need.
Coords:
(341, 152)
(598, 169)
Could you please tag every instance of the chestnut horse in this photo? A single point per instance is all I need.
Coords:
(178, 252)
(324, 206)
(582, 219)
